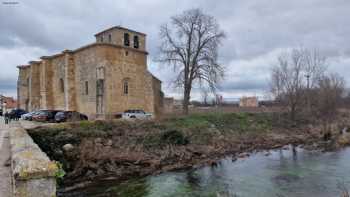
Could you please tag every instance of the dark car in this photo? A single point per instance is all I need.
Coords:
(45, 115)
(29, 116)
(0, 112)
(68, 116)
(16, 113)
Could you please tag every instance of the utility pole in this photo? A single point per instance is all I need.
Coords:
(308, 92)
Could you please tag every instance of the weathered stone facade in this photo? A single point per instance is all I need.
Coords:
(99, 79)
(33, 174)
(249, 102)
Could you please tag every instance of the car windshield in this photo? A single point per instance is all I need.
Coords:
(135, 111)
(43, 113)
(60, 113)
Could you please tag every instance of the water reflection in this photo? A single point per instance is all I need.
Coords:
(292, 173)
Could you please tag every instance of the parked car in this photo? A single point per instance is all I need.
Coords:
(45, 115)
(17, 113)
(136, 113)
(68, 116)
(29, 116)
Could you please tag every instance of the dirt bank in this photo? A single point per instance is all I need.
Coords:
(91, 151)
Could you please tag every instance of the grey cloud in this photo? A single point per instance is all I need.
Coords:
(8, 86)
(254, 28)
(248, 85)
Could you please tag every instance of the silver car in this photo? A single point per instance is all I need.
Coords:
(137, 114)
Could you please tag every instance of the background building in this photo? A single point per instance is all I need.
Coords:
(249, 102)
(7, 103)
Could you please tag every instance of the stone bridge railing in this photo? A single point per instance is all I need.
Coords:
(33, 174)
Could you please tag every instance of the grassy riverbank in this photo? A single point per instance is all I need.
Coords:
(121, 150)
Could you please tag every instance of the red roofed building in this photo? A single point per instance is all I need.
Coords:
(7, 103)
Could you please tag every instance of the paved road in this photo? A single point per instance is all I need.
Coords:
(5, 177)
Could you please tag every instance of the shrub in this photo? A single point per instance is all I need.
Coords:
(174, 137)
(159, 139)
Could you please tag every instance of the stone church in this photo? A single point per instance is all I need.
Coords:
(101, 79)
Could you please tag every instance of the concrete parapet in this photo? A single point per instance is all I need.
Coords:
(33, 174)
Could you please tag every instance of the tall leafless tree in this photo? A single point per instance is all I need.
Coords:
(329, 95)
(295, 74)
(190, 43)
(287, 80)
(315, 67)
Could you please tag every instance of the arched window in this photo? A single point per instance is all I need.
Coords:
(61, 85)
(126, 39)
(136, 42)
(126, 87)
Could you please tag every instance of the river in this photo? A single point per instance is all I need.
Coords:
(276, 173)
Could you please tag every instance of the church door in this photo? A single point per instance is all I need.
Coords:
(99, 96)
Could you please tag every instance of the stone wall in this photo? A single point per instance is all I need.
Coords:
(249, 102)
(130, 66)
(86, 62)
(34, 86)
(117, 37)
(58, 74)
(23, 87)
(33, 174)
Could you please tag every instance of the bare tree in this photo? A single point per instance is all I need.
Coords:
(287, 80)
(295, 74)
(205, 96)
(329, 94)
(190, 43)
(315, 67)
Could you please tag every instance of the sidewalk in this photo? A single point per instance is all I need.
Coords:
(5, 171)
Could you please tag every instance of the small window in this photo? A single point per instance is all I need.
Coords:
(136, 42)
(86, 88)
(62, 85)
(126, 87)
(110, 38)
(101, 39)
(126, 39)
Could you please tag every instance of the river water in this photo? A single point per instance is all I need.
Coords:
(280, 173)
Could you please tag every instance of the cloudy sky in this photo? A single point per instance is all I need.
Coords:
(257, 31)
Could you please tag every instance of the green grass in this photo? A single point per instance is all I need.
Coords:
(238, 122)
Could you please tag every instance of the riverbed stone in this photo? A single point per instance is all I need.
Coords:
(98, 140)
(344, 139)
(68, 147)
(243, 155)
(108, 143)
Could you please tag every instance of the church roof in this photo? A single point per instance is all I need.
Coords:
(119, 27)
(23, 66)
